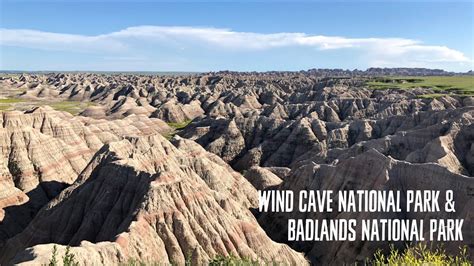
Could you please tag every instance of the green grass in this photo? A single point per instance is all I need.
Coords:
(179, 125)
(176, 126)
(232, 261)
(460, 85)
(417, 255)
(10, 100)
(421, 254)
(219, 260)
(72, 107)
(4, 107)
(135, 262)
(7, 103)
(431, 96)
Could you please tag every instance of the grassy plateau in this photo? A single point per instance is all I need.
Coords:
(459, 85)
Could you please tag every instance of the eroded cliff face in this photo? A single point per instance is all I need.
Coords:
(146, 198)
(115, 189)
(133, 194)
(182, 98)
(43, 151)
(365, 171)
(405, 125)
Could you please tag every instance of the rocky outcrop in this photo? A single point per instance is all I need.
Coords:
(284, 95)
(145, 198)
(262, 178)
(258, 140)
(44, 151)
(371, 170)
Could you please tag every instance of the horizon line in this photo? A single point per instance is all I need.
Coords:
(229, 70)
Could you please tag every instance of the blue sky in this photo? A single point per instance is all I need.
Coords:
(207, 36)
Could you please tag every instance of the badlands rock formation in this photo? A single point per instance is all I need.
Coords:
(43, 151)
(106, 183)
(145, 198)
(371, 170)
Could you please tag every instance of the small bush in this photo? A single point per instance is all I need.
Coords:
(232, 260)
(420, 254)
(68, 259)
(53, 261)
(133, 262)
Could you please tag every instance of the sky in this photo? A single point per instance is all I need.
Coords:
(229, 35)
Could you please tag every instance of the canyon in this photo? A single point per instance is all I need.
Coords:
(167, 168)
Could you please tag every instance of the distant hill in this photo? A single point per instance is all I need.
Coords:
(328, 72)
(371, 72)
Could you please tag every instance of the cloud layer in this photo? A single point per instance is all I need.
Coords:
(376, 51)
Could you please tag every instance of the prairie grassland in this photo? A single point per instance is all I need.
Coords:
(8, 103)
(73, 107)
(459, 85)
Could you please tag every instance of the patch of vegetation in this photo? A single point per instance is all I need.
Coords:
(179, 125)
(219, 260)
(420, 254)
(72, 107)
(10, 100)
(176, 126)
(7, 103)
(431, 96)
(135, 262)
(232, 260)
(4, 107)
(459, 85)
(69, 258)
(169, 136)
(54, 261)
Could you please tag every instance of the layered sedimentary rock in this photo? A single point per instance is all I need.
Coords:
(260, 139)
(366, 171)
(43, 151)
(135, 195)
(149, 199)
(181, 98)
(262, 178)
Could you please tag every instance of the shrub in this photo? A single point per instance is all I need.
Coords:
(53, 261)
(420, 254)
(232, 260)
(68, 259)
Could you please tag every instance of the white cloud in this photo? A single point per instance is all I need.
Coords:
(59, 41)
(377, 51)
